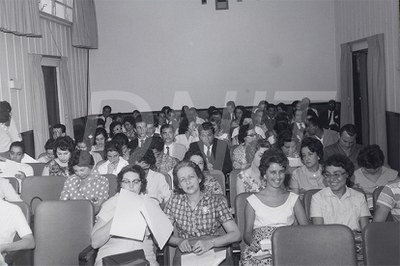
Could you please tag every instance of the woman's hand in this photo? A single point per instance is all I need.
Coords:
(202, 246)
(111, 166)
(184, 246)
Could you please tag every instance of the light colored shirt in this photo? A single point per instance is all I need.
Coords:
(390, 197)
(103, 168)
(347, 210)
(303, 179)
(12, 221)
(182, 139)
(10, 168)
(7, 192)
(157, 187)
(8, 135)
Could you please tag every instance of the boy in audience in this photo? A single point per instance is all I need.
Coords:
(269, 119)
(388, 201)
(13, 221)
(58, 130)
(337, 203)
(170, 146)
(17, 153)
(48, 155)
(141, 131)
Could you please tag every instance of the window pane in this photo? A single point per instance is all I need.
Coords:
(60, 11)
(69, 2)
(68, 14)
(45, 6)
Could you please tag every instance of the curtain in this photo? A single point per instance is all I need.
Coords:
(66, 96)
(20, 17)
(36, 92)
(84, 27)
(346, 85)
(377, 91)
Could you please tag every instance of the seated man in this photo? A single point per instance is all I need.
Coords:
(172, 148)
(337, 203)
(164, 162)
(12, 221)
(388, 201)
(58, 130)
(326, 136)
(17, 154)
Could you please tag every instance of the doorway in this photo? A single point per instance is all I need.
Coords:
(360, 96)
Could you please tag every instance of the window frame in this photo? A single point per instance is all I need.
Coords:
(53, 15)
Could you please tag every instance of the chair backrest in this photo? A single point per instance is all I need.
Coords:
(37, 168)
(240, 203)
(382, 244)
(232, 187)
(37, 188)
(220, 177)
(307, 200)
(313, 245)
(14, 182)
(112, 184)
(62, 230)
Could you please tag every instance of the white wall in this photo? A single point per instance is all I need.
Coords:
(358, 19)
(155, 52)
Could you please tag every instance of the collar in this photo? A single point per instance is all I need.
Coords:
(346, 194)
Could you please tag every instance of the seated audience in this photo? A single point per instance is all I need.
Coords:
(170, 146)
(99, 141)
(246, 120)
(58, 130)
(17, 153)
(229, 112)
(346, 145)
(48, 155)
(129, 125)
(239, 111)
(211, 185)
(270, 208)
(337, 203)
(289, 144)
(306, 106)
(115, 128)
(171, 118)
(214, 150)
(151, 127)
(83, 144)
(164, 162)
(140, 127)
(13, 221)
(219, 132)
(190, 203)
(372, 173)
(114, 163)
(157, 186)
(85, 183)
(270, 117)
(123, 141)
(326, 136)
(309, 176)
(259, 124)
(187, 133)
(388, 202)
(193, 115)
(249, 180)
(246, 137)
(63, 149)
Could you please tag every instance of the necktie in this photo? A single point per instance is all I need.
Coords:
(208, 152)
(167, 150)
(330, 117)
(141, 143)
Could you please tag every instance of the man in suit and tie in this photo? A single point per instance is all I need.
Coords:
(172, 148)
(315, 130)
(214, 150)
(141, 130)
(330, 118)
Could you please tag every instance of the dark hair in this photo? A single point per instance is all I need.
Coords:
(294, 104)
(82, 159)
(6, 106)
(243, 132)
(64, 144)
(246, 114)
(19, 144)
(241, 108)
(272, 156)
(252, 149)
(282, 106)
(130, 120)
(60, 126)
(134, 169)
(112, 126)
(100, 121)
(371, 157)
(143, 155)
(183, 125)
(339, 160)
(156, 143)
(99, 131)
(112, 146)
(350, 129)
(194, 152)
(313, 145)
(164, 109)
(106, 106)
(196, 169)
(315, 121)
(49, 144)
(285, 136)
(230, 103)
(121, 138)
(84, 140)
(281, 125)
(207, 126)
(5, 115)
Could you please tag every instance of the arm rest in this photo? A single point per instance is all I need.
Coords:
(88, 256)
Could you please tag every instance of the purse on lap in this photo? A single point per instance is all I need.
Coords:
(131, 258)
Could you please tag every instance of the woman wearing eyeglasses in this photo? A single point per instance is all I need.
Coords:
(132, 178)
(337, 203)
(247, 135)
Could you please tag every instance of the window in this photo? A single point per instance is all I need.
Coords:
(58, 8)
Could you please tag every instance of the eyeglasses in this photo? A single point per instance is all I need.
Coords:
(337, 176)
(135, 182)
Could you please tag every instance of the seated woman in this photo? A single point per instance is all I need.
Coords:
(115, 128)
(48, 155)
(123, 141)
(388, 201)
(288, 143)
(249, 180)
(13, 221)
(83, 144)
(246, 137)
(270, 208)
(211, 185)
(309, 176)
(164, 162)
(63, 150)
(197, 215)
(337, 203)
(85, 184)
(187, 133)
(114, 163)
(129, 125)
(131, 178)
(372, 173)
(99, 141)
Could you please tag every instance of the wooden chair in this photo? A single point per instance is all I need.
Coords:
(220, 177)
(313, 245)
(62, 230)
(37, 168)
(232, 187)
(382, 244)
(41, 188)
(112, 184)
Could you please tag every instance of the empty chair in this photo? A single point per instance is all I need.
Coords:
(62, 230)
(220, 177)
(382, 244)
(41, 188)
(112, 184)
(37, 168)
(313, 245)
(307, 200)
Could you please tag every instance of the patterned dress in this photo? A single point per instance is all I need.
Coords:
(56, 170)
(250, 183)
(211, 185)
